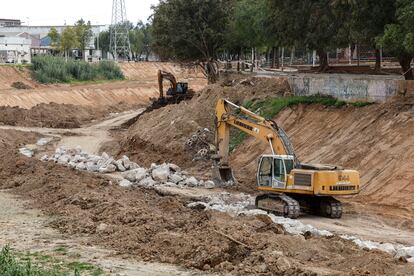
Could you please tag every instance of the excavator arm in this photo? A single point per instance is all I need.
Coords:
(230, 115)
(168, 76)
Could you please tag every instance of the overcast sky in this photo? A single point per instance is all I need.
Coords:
(57, 12)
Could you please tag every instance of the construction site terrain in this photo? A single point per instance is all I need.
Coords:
(84, 168)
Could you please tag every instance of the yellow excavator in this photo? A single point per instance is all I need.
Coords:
(177, 91)
(289, 186)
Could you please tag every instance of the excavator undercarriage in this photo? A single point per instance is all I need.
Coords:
(291, 206)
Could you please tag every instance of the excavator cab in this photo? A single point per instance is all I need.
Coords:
(273, 170)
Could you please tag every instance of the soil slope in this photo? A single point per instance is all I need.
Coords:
(11, 74)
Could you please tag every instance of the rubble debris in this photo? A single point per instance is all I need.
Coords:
(26, 152)
(200, 144)
(44, 141)
(169, 175)
(243, 204)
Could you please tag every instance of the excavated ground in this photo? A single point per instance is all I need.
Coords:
(151, 227)
(59, 115)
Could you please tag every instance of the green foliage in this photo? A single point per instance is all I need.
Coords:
(36, 264)
(69, 39)
(48, 69)
(190, 29)
(269, 108)
(83, 33)
(54, 37)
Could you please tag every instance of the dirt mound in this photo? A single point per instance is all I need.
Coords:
(148, 70)
(57, 115)
(165, 131)
(144, 225)
(14, 74)
(377, 140)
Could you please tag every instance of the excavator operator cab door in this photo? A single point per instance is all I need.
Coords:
(273, 171)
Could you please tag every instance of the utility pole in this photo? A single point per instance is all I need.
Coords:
(120, 46)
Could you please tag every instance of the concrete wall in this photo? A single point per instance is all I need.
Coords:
(348, 87)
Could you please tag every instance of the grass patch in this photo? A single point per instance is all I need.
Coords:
(269, 108)
(50, 69)
(14, 263)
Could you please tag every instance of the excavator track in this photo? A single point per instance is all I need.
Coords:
(330, 207)
(281, 205)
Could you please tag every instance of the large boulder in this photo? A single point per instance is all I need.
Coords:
(120, 166)
(140, 174)
(125, 183)
(161, 173)
(191, 182)
(64, 159)
(108, 169)
(147, 182)
(175, 178)
(135, 175)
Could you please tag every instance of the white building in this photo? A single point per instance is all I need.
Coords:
(41, 32)
(15, 49)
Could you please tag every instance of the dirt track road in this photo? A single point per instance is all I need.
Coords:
(90, 138)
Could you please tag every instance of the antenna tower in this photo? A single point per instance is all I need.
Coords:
(119, 38)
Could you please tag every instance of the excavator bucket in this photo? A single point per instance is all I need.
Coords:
(223, 176)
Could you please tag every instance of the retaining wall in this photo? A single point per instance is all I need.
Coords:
(350, 87)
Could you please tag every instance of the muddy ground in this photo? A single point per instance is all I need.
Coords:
(141, 223)
(145, 225)
(59, 115)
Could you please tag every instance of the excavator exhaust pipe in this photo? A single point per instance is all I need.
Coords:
(223, 176)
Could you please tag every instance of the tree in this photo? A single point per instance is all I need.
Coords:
(398, 38)
(322, 25)
(140, 38)
(368, 20)
(191, 30)
(54, 38)
(84, 34)
(69, 40)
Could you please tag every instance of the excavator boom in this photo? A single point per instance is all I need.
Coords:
(230, 115)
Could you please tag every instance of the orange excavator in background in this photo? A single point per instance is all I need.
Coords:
(288, 186)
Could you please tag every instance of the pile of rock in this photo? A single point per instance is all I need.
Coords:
(131, 172)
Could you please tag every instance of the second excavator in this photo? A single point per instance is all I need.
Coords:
(288, 185)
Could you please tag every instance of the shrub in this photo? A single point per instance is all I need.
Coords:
(50, 69)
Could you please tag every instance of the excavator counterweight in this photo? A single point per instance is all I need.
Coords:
(289, 186)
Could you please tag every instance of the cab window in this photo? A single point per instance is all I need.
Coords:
(288, 165)
(265, 172)
(279, 169)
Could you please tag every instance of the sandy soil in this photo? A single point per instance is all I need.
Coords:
(26, 230)
(144, 225)
(141, 85)
(141, 224)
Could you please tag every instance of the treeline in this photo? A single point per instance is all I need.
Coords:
(189, 30)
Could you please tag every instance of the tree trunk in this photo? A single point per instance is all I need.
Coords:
(377, 60)
(277, 58)
(323, 60)
(405, 62)
(273, 57)
(210, 70)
